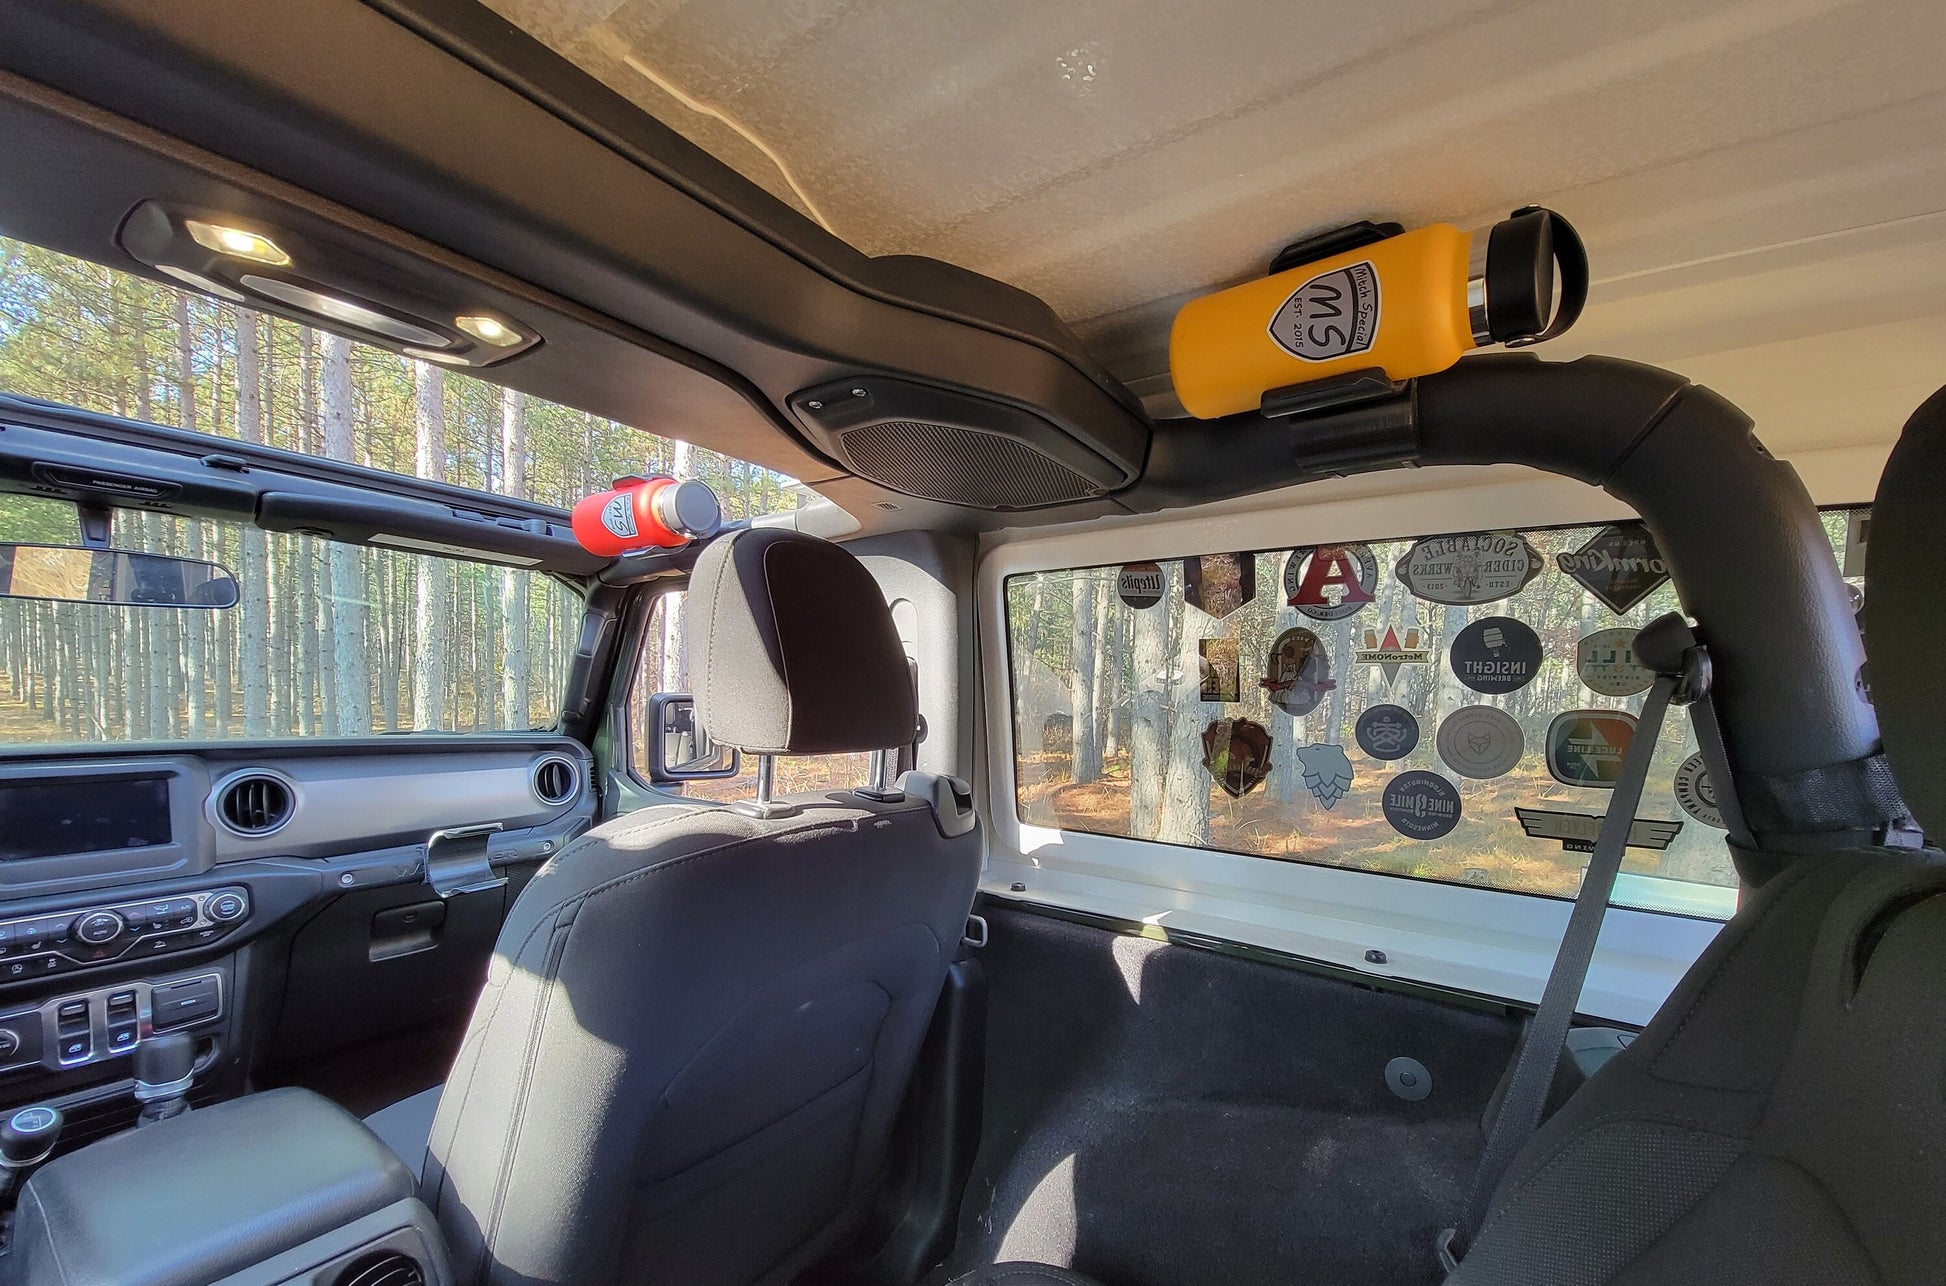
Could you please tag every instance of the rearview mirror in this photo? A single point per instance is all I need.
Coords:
(681, 748)
(120, 577)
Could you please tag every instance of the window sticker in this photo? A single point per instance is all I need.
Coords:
(1220, 662)
(1469, 569)
(1496, 655)
(1140, 585)
(1585, 747)
(1330, 582)
(1480, 742)
(1606, 662)
(1421, 805)
(1327, 772)
(1387, 732)
(1697, 793)
(1237, 753)
(1219, 584)
(1620, 565)
(1391, 653)
(1297, 674)
(1579, 831)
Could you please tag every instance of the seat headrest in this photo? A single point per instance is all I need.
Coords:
(796, 653)
(1905, 577)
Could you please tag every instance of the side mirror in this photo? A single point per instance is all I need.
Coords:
(680, 748)
(120, 577)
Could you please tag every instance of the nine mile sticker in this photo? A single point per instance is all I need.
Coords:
(1480, 567)
(1334, 314)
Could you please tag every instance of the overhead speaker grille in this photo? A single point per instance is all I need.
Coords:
(961, 467)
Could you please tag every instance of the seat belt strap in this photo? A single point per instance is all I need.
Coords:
(1540, 1048)
(1716, 759)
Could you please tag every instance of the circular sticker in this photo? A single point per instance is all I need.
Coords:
(1140, 584)
(1297, 673)
(1606, 660)
(1330, 582)
(1697, 793)
(1387, 732)
(1480, 742)
(1421, 805)
(1478, 567)
(1496, 655)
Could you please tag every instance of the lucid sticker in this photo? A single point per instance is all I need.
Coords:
(1586, 747)
(1697, 793)
(1330, 582)
(1219, 583)
(1334, 314)
(1480, 742)
(1620, 565)
(1390, 653)
(1387, 732)
(1220, 665)
(1496, 655)
(1297, 674)
(1421, 805)
(1578, 831)
(1607, 664)
(1139, 585)
(1478, 567)
(1236, 752)
(1327, 772)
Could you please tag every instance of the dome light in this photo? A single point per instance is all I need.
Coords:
(238, 242)
(489, 330)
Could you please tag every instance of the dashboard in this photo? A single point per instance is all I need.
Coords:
(281, 902)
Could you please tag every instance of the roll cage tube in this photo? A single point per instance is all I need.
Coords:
(1741, 536)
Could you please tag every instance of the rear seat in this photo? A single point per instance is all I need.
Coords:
(1023, 1275)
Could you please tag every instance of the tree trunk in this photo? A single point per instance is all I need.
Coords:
(352, 698)
(1152, 727)
(1085, 738)
(432, 585)
(1185, 799)
(515, 678)
(253, 630)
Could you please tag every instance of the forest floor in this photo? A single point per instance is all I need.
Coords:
(1488, 847)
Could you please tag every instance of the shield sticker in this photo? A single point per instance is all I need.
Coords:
(1236, 752)
(1219, 584)
(1297, 673)
(1333, 315)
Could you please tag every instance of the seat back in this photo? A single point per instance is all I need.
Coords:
(699, 1024)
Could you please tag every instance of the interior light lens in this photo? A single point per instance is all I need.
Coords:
(201, 282)
(240, 242)
(434, 355)
(489, 330)
(347, 311)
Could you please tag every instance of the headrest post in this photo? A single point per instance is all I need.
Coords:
(765, 805)
(883, 788)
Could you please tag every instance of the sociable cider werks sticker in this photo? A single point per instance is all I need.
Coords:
(1478, 567)
(1334, 314)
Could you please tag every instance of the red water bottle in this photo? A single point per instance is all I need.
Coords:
(646, 513)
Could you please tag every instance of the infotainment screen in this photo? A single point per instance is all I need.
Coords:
(86, 815)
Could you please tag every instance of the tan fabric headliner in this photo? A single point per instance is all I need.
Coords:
(1762, 184)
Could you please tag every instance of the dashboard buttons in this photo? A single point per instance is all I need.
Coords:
(77, 1049)
(178, 1004)
(227, 907)
(9, 1043)
(98, 927)
(123, 1038)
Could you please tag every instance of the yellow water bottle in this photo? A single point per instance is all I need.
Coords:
(1408, 304)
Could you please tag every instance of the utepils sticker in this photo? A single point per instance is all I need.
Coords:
(1586, 747)
(1387, 732)
(1496, 655)
(1480, 567)
(1606, 662)
(1334, 314)
(1480, 742)
(1578, 831)
(618, 515)
(1330, 582)
(1221, 681)
(1389, 652)
(1620, 565)
(1237, 753)
(1327, 772)
(1421, 805)
(1297, 674)
(1696, 792)
(1219, 583)
(1139, 585)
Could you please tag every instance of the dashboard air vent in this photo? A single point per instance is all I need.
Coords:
(556, 779)
(255, 804)
(385, 1268)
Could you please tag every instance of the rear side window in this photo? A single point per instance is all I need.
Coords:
(1450, 708)
(665, 666)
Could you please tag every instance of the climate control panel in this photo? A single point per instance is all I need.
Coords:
(44, 945)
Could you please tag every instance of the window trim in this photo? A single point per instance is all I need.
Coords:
(1490, 942)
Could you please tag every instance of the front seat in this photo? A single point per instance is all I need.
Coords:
(1783, 1119)
(699, 1024)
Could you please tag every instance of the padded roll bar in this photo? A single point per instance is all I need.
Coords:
(1750, 559)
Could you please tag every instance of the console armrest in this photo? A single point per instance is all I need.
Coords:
(208, 1194)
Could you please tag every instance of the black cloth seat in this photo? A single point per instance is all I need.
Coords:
(699, 1023)
(1023, 1275)
(1783, 1119)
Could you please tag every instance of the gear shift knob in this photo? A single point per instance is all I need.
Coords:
(28, 1135)
(164, 1066)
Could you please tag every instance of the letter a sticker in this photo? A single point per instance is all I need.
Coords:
(1330, 582)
